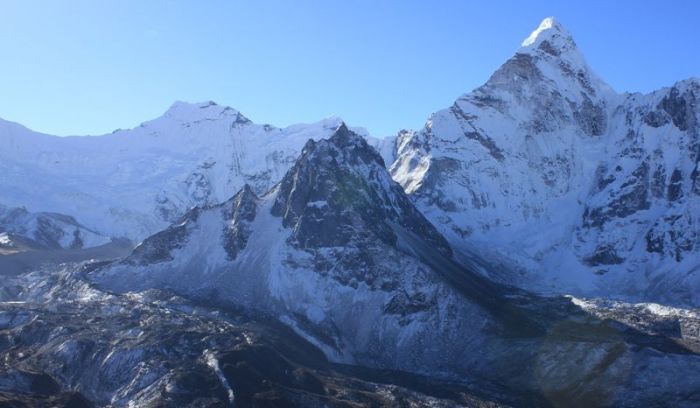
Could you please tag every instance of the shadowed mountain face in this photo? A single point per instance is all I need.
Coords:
(546, 169)
(340, 188)
(366, 279)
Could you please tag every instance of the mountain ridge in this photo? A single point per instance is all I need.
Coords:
(193, 154)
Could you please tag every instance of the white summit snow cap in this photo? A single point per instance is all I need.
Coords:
(553, 45)
(190, 112)
(550, 30)
(551, 41)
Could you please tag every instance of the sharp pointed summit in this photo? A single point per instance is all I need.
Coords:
(549, 58)
(552, 43)
(550, 31)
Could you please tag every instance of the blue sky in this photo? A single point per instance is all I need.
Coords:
(88, 67)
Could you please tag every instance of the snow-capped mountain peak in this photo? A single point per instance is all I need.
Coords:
(186, 112)
(548, 163)
(550, 30)
(343, 181)
(195, 154)
(553, 51)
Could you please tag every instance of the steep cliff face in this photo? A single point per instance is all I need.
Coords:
(640, 219)
(583, 189)
(341, 182)
(136, 182)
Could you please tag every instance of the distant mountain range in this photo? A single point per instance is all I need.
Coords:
(544, 170)
(132, 183)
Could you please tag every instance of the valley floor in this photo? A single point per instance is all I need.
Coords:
(28, 259)
(65, 343)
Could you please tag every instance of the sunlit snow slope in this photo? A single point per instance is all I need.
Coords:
(547, 170)
(134, 182)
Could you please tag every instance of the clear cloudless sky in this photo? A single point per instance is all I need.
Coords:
(88, 67)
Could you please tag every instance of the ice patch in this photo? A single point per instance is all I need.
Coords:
(213, 362)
